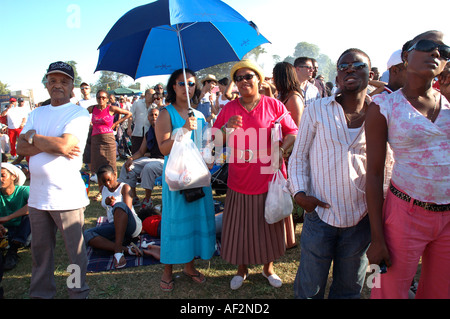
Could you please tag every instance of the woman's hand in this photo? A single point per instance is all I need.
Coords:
(234, 122)
(191, 123)
(110, 200)
(378, 252)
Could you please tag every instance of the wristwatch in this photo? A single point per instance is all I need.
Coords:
(30, 139)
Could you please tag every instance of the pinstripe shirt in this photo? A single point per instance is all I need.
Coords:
(328, 164)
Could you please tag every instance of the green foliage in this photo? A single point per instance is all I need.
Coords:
(4, 88)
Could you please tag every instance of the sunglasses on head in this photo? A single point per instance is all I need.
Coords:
(354, 66)
(247, 77)
(428, 46)
(182, 84)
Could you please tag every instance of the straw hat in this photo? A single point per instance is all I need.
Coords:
(249, 65)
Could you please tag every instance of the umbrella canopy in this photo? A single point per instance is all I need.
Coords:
(163, 36)
(124, 91)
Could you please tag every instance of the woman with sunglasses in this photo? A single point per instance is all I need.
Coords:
(245, 126)
(187, 229)
(414, 220)
(103, 142)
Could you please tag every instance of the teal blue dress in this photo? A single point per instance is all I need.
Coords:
(187, 229)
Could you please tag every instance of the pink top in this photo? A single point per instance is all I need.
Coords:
(102, 121)
(253, 177)
(421, 148)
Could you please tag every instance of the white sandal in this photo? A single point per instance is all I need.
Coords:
(274, 280)
(119, 260)
(237, 281)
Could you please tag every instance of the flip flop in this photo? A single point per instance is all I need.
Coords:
(134, 250)
(168, 285)
(119, 260)
(198, 277)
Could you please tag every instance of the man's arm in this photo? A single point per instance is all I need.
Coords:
(18, 213)
(65, 145)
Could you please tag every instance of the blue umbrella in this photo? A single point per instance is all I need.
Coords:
(163, 36)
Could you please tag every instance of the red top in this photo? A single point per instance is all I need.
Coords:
(254, 176)
(102, 121)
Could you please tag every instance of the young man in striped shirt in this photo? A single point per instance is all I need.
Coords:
(327, 178)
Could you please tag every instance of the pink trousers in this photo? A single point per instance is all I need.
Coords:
(412, 232)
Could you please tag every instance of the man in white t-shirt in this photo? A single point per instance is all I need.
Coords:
(139, 111)
(17, 117)
(85, 102)
(305, 69)
(54, 138)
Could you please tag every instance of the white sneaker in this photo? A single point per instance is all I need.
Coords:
(237, 281)
(94, 178)
(274, 280)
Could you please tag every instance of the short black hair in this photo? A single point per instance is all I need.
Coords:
(355, 50)
(105, 169)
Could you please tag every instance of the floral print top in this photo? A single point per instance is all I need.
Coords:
(421, 148)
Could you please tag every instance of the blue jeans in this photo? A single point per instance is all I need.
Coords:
(322, 244)
(108, 230)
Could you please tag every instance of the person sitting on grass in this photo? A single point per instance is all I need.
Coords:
(14, 211)
(123, 223)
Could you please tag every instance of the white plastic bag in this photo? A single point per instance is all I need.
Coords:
(278, 201)
(185, 166)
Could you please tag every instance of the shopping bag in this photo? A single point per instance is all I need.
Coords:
(185, 166)
(278, 201)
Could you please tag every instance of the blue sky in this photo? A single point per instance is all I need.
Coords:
(38, 32)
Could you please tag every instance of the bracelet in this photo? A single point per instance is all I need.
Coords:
(282, 150)
(224, 128)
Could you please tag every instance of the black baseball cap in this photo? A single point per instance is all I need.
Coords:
(60, 67)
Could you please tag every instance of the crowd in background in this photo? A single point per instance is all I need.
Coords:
(366, 160)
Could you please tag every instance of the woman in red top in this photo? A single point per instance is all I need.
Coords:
(103, 145)
(246, 237)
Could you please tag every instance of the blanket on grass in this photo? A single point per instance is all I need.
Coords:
(101, 260)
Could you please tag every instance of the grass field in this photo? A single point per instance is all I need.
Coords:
(143, 282)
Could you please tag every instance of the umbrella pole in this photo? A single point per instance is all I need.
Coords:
(183, 63)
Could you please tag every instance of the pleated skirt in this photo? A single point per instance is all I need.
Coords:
(103, 151)
(246, 236)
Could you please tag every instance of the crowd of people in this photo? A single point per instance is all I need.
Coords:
(367, 160)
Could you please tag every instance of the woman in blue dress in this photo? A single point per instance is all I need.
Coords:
(187, 229)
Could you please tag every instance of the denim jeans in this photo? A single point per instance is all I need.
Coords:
(322, 244)
(108, 230)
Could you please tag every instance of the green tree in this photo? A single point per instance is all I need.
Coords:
(327, 68)
(109, 81)
(4, 88)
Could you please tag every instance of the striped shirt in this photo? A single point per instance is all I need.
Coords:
(329, 164)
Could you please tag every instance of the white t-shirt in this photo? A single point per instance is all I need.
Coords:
(86, 103)
(55, 182)
(15, 116)
(117, 194)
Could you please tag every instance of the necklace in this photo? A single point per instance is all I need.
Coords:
(252, 105)
(417, 99)
(360, 115)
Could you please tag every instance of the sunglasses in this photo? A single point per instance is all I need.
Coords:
(190, 84)
(428, 46)
(306, 67)
(354, 66)
(247, 77)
